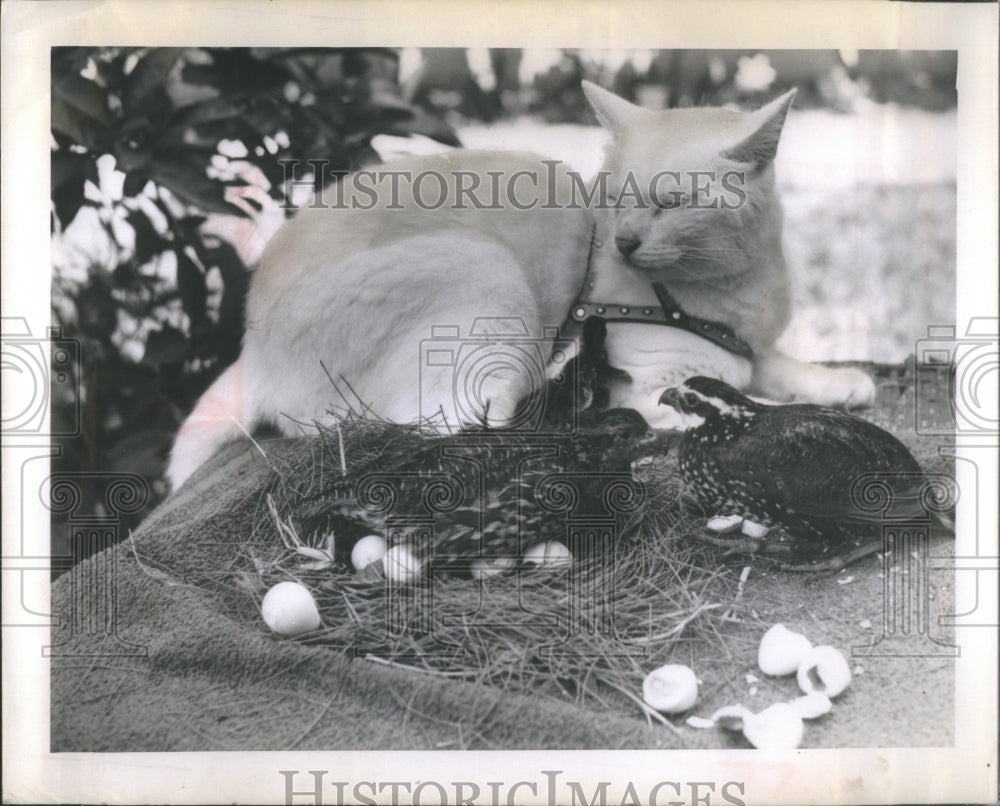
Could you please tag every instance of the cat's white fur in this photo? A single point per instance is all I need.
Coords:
(343, 299)
(721, 265)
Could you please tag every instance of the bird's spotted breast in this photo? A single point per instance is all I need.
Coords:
(789, 466)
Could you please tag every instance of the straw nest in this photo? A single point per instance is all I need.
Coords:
(589, 630)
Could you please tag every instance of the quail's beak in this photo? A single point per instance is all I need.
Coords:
(672, 398)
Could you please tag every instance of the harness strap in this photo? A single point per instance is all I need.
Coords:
(668, 314)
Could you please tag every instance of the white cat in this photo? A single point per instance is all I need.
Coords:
(697, 211)
(347, 295)
(348, 304)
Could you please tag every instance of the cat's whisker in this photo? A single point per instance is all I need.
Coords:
(680, 265)
(729, 233)
(704, 252)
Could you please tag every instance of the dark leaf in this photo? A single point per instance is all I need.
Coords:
(148, 242)
(135, 181)
(385, 96)
(191, 222)
(144, 87)
(77, 127)
(67, 184)
(68, 59)
(124, 275)
(67, 166)
(426, 124)
(67, 201)
(132, 156)
(165, 346)
(236, 70)
(191, 284)
(216, 109)
(85, 96)
(192, 186)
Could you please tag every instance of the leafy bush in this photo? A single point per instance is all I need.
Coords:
(148, 147)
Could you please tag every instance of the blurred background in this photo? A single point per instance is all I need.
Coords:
(167, 181)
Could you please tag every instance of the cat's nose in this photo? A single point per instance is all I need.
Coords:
(627, 244)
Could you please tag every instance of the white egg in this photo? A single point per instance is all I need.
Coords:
(289, 609)
(550, 554)
(824, 669)
(671, 689)
(483, 568)
(400, 564)
(368, 550)
(781, 651)
(778, 727)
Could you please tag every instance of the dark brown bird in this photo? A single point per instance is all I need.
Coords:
(798, 467)
(472, 494)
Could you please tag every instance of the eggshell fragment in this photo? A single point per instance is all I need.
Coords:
(778, 727)
(550, 554)
(400, 564)
(721, 524)
(671, 689)
(368, 550)
(699, 722)
(824, 669)
(781, 651)
(811, 706)
(289, 609)
(732, 717)
(751, 529)
(483, 568)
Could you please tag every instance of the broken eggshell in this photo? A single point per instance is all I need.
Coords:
(670, 689)
(825, 670)
(812, 706)
(731, 717)
(723, 524)
(753, 529)
(778, 727)
(781, 651)
(289, 609)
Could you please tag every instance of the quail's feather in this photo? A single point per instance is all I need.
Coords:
(799, 467)
(483, 492)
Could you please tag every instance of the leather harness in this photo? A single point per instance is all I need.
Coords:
(667, 314)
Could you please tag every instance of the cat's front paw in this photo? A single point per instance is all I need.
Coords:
(846, 387)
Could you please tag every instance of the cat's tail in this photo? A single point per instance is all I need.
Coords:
(221, 415)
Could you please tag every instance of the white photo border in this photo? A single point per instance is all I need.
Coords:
(963, 773)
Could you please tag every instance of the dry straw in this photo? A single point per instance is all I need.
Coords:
(588, 633)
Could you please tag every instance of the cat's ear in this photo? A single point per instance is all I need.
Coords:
(761, 145)
(614, 112)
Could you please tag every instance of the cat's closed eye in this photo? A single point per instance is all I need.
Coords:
(669, 201)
